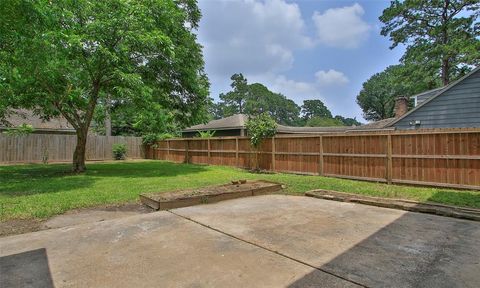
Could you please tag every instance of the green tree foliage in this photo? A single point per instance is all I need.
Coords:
(377, 97)
(254, 99)
(280, 108)
(152, 138)
(442, 36)
(206, 134)
(348, 121)
(23, 129)
(260, 127)
(318, 121)
(315, 108)
(119, 151)
(236, 98)
(128, 121)
(64, 57)
(216, 110)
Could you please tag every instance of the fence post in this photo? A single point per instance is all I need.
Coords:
(168, 150)
(389, 159)
(236, 150)
(187, 144)
(273, 153)
(209, 155)
(320, 156)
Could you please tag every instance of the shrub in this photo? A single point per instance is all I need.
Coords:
(259, 128)
(165, 136)
(23, 129)
(206, 134)
(150, 139)
(119, 151)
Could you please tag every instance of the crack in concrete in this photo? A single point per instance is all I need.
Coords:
(266, 249)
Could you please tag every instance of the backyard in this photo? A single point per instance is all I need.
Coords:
(41, 191)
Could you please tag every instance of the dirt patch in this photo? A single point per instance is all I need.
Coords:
(211, 194)
(19, 226)
(72, 217)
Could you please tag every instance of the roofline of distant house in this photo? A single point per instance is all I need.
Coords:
(446, 88)
(40, 129)
(428, 91)
(216, 128)
(370, 130)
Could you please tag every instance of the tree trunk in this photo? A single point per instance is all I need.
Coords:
(445, 72)
(108, 118)
(79, 154)
(445, 58)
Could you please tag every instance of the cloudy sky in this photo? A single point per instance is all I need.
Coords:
(304, 49)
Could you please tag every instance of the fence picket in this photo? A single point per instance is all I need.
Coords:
(437, 157)
(38, 148)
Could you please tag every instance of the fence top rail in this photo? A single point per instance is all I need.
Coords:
(347, 134)
(206, 139)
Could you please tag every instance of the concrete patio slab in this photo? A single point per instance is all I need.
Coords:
(263, 241)
(369, 245)
(150, 250)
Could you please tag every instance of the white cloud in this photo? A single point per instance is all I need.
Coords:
(342, 27)
(251, 36)
(331, 77)
(295, 90)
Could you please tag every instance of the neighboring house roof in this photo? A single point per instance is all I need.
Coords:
(310, 130)
(377, 125)
(421, 97)
(21, 116)
(436, 95)
(236, 121)
(239, 121)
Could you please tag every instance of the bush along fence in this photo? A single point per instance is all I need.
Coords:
(46, 148)
(440, 157)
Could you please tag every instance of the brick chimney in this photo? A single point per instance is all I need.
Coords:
(401, 106)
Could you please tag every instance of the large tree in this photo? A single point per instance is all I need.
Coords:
(255, 99)
(318, 121)
(377, 97)
(441, 36)
(236, 98)
(261, 100)
(348, 121)
(315, 108)
(65, 57)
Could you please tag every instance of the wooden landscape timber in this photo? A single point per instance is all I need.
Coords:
(401, 204)
(212, 194)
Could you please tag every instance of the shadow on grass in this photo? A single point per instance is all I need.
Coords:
(142, 169)
(36, 179)
(462, 198)
(27, 269)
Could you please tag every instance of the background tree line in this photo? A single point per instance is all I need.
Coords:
(442, 44)
(256, 98)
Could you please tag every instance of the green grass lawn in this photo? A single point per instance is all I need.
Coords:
(39, 191)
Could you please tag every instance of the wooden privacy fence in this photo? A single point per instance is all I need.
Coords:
(37, 148)
(440, 157)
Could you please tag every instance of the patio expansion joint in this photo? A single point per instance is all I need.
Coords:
(265, 248)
